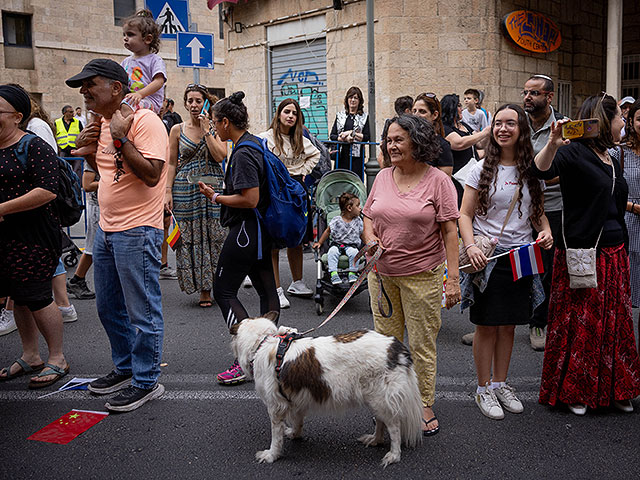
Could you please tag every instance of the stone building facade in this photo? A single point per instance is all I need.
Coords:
(420, 45)
(64, 35)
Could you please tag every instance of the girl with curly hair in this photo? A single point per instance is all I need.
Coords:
(497, 303)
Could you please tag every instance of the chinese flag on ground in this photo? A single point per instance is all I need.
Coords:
(68, 427)
(174, 237)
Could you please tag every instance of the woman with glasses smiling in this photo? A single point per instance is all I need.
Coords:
(503, 200)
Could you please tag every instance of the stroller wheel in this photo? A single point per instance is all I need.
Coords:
(71, 260)
(319, 308)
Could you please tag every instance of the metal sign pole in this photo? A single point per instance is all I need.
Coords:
(196, 71)
(372, 166)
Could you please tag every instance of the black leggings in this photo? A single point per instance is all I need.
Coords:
(239, 258)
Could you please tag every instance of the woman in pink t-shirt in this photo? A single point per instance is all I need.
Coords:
(411, 212)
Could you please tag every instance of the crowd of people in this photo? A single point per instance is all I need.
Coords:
(449, 176)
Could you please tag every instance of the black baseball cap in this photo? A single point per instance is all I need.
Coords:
(103, 67)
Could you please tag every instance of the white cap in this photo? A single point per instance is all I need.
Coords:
(627, 100)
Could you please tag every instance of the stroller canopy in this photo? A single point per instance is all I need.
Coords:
(335, 183)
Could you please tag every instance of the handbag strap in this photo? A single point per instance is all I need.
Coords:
(613, 186)
(514, 199)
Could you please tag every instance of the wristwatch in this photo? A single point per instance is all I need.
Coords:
(119, 142)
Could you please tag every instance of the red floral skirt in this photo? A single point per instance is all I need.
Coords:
(590, 355)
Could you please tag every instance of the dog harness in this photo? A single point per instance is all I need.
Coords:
(283, 346)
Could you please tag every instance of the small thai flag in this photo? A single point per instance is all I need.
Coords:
(526, 260)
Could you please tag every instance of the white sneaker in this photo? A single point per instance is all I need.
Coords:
(300, 289)
(246, 283)
(507, 397)
(578, 408)
(284, 301)
(7, 322)
(489, 405)
(624, 406)
(69, 314)
(168, 273)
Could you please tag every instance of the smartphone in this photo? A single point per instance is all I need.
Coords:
(206, 179)
(588, 128)
(205, 107)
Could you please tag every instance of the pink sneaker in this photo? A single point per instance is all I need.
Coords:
(233, 376)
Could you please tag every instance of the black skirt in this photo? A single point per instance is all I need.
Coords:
(503, 302)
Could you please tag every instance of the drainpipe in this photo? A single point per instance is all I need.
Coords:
(614, 48)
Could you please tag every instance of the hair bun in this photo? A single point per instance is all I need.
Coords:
(236, 97)
(144, 13)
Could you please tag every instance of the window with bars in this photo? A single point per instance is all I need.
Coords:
(631, 76)
(123, 9)
(564, 97)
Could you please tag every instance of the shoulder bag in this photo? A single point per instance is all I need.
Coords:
(581, 262)
(485, 244)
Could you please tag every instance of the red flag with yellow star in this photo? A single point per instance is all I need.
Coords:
(68, 427)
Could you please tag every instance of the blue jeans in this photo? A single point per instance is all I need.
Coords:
(333, 255)
(126, 275)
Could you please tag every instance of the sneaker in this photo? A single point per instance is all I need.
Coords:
(335, 278)
(7, 322)
(79, 289)
(69, 314)
(507, 397)
(624, 406)
(489, 405)
(232, 376)
(133, 397)
(168, 273)
(467, 338)
(246, 283)
(300, 289)
(109, 383)
(537, 337)
(578, 408)
(284, 301)
(353, 277)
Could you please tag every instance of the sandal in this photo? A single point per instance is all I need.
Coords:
(205, 304)
(429, 433)
(25, 369)
(50, 369)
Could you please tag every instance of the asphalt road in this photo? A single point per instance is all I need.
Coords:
(199, 429)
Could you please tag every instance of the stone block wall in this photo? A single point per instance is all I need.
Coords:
(66, 35)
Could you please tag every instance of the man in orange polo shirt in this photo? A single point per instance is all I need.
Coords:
(126, 252)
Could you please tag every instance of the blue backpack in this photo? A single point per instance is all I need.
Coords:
(286, 216)
(69, 200)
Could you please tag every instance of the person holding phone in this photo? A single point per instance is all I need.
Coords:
(590, 358)
(195, 151)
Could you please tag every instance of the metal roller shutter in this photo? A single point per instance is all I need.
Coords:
(299, 71)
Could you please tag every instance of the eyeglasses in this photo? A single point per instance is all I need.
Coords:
(8, 111)
(509, 125)
(533, 93)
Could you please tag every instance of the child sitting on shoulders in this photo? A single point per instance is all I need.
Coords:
(345, 231)
(145, 68)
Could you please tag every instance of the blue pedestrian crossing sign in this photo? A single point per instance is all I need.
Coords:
(194, 50)
(171, 15)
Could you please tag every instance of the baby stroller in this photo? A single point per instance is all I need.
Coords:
(70, 251)
(333, 184)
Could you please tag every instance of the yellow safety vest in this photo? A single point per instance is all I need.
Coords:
(67, 138)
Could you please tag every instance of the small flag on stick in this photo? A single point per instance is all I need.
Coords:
(174, 237)
(526, 260)
(68, 427)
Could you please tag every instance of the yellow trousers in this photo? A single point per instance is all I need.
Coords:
(417, 302)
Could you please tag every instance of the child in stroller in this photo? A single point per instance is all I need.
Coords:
(344, 232)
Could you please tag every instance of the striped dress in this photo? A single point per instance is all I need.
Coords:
(632, 176)
(202, 235)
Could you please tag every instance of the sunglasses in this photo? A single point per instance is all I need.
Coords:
(119, 166)
(533, 93)
(197, 85)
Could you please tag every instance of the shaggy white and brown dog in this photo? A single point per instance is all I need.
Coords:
(331, 374)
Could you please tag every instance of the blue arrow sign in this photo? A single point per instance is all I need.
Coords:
(171, 15)
(194, 50)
